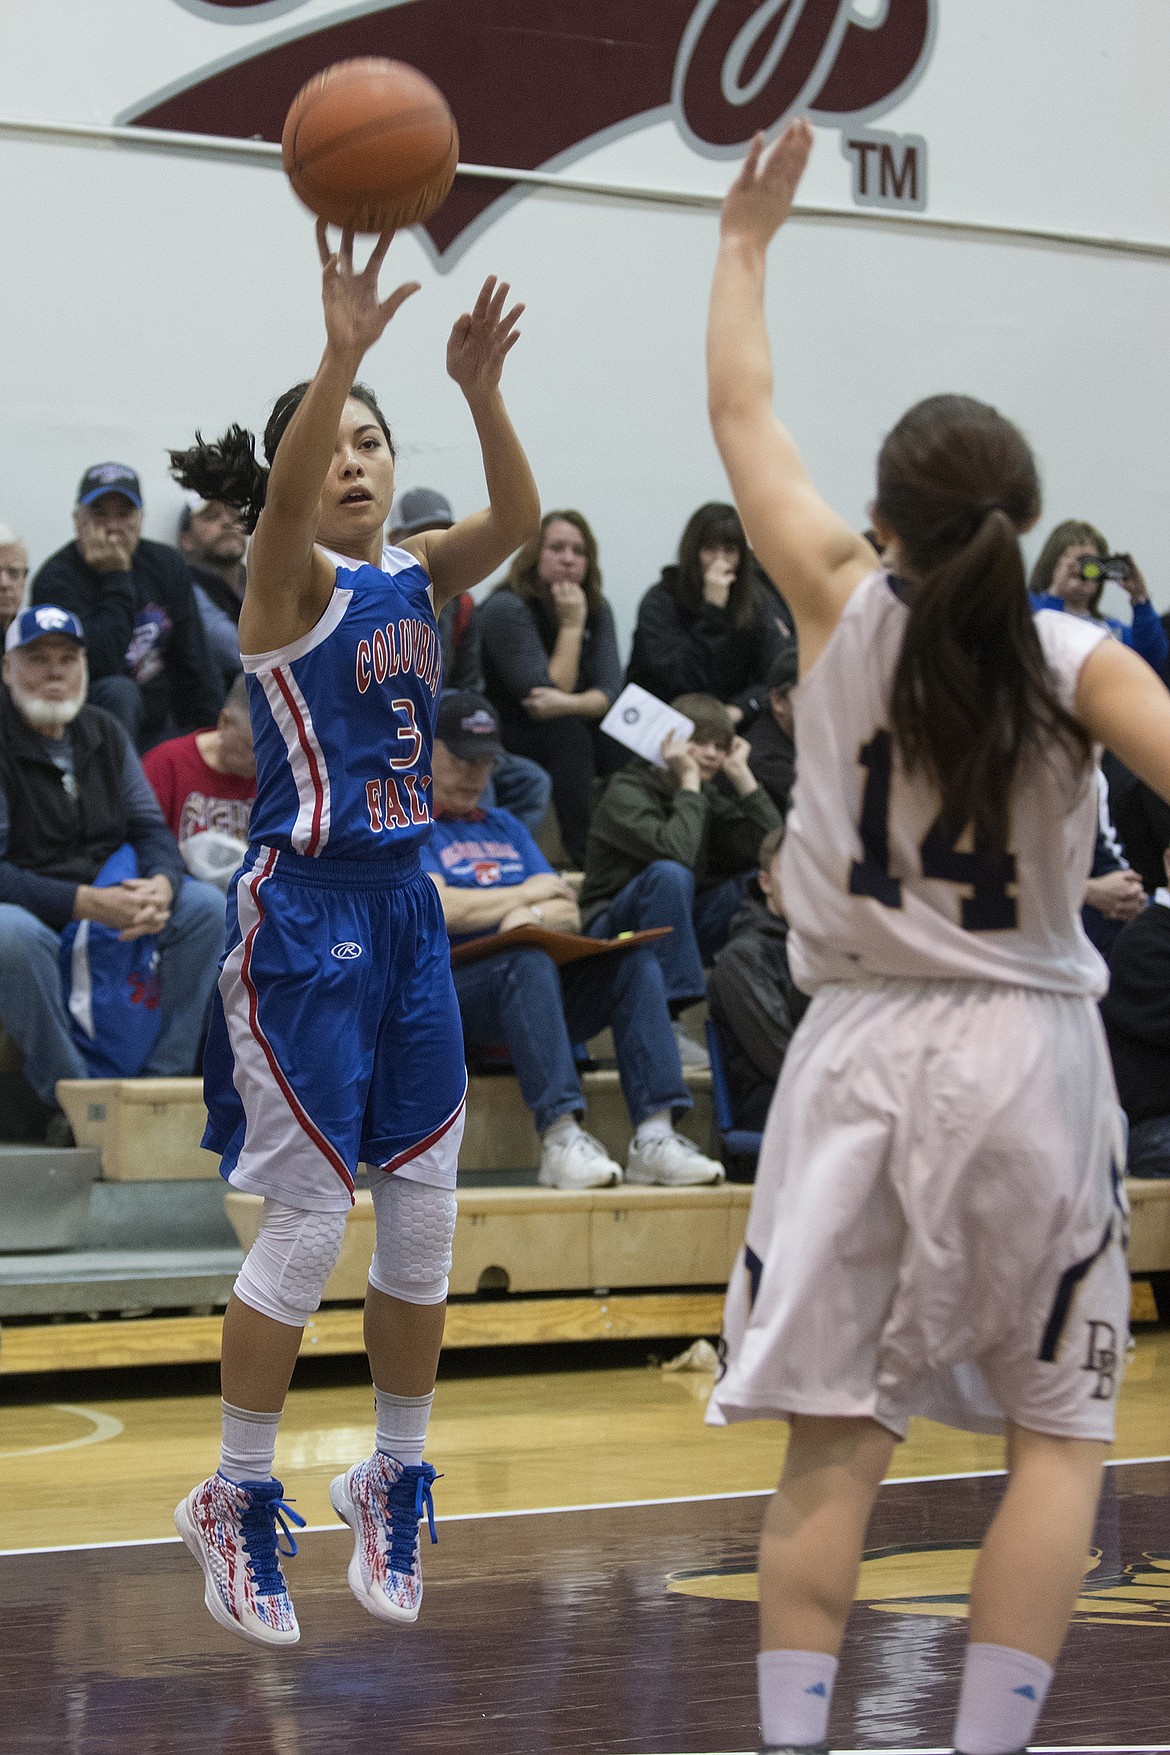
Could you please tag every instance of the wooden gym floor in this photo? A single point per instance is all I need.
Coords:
(603, 1626)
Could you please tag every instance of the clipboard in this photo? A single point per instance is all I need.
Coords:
(562, 947)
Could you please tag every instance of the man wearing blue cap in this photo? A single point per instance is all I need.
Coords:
(148, 657)
(72, 794)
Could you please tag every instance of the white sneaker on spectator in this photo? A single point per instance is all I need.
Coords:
(672, 1161)
(572, 1158)
(693, 1055)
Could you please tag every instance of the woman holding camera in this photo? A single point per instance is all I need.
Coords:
(1073, 569)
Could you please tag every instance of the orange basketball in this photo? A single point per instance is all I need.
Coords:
(370, 144)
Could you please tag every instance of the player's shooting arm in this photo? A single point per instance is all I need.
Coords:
(797, 537)
(290, 581)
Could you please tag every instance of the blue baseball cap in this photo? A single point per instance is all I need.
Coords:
(109, 478)
(43, 618)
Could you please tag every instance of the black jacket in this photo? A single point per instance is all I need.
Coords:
(679, 652)
(517, 636)
(57, 831)
(756, 1007)
(773, 759)
(144, 624)
(1137, 1013)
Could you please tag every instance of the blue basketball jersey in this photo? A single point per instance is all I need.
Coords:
(343, 719)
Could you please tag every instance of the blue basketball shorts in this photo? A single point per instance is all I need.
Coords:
(335, 1036)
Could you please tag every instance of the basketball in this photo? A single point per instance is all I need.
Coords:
(370, 144)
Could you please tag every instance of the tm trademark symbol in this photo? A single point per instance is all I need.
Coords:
(889, 170)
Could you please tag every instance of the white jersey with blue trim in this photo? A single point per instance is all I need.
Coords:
(874, 887)
(343, 720)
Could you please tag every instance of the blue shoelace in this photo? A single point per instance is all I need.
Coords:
(264, 1510)
(406, 1501)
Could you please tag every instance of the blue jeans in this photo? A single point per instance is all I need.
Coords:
(32, 1009)
(521, 786)
(1149, 1147)
(664, 895)
(521, 1000)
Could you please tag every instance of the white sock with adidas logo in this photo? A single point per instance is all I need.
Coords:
(796, 1688)
(1002, 1693)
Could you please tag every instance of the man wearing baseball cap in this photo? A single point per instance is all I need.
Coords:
(491, 878)
(148, 657)
(73, 794)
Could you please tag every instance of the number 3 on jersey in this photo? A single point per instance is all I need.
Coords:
(985, 873)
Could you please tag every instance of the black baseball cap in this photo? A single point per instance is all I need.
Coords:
(109, 478)
(468, 726)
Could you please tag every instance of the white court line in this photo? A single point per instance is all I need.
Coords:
(102, 1427)
(314, 1529)
(1036, 1749)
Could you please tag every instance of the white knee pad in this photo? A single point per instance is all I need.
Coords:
(415, 1228)
(285, 1271)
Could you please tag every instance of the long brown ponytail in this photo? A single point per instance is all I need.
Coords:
(957, 483)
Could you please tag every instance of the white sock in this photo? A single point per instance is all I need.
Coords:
(561, 1130)
(1000, 1700)
(248, 1444)
(796, 1688)
(401, 1424)
(655, 1127)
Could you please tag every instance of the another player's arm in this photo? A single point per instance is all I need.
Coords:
(289, 580)
(797, 537)
(474, 547)
(1122, 704)
(466, 910)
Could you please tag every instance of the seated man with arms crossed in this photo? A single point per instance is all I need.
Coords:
(492, 877)
(72, 792)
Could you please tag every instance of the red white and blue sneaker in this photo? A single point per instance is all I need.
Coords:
(231, 1528)
(383, 1501)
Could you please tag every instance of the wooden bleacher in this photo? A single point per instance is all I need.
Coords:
(529, 1264)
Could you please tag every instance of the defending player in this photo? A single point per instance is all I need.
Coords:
(938, 1221)
(337, 1035)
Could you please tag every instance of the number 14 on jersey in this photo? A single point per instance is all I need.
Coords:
(983, 872)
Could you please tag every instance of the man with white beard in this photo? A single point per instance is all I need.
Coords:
(72, 792)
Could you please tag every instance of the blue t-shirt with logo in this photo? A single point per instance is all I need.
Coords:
(483, 851)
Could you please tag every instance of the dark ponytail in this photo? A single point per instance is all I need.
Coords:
(229, 469)
(957, 483)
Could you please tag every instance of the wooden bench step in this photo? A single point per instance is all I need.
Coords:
(526, 1240)
(148, 1130)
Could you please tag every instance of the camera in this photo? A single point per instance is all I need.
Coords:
(1097, 570)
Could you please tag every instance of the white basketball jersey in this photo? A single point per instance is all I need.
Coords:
(873, 886)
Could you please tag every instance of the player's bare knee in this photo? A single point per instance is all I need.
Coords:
(415, 1231)
(285, 1271)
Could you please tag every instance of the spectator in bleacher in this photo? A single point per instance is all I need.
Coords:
(1114, 893)
(212, 540)
(135, 599)
(676, 846)
(491, 878)
(519, 785)
(1142, 820)
(755, 1004)
(1136, 1010)
(713, 624)
(205, 783)
(1056, 583)
(770, 737)
(551, 666)
(13, 576)
(72, 792)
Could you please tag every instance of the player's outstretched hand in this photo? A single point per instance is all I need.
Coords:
(354, 315)
(760, 199)
(481, 339)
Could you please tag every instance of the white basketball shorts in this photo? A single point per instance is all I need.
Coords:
(939, 1221)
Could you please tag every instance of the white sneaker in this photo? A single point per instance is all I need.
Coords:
(672, 1161)
(693, 1055)
(237, 1532)
(572, 1158)
(383, 1503)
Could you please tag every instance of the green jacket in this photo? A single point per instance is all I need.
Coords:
(643, 815)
